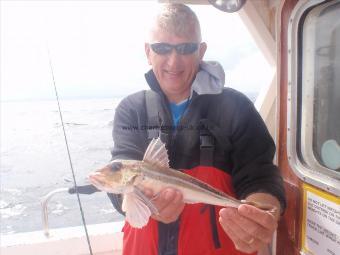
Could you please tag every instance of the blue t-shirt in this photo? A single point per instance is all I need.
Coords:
(177, 110)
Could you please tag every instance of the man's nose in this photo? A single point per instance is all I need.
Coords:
(173, 58)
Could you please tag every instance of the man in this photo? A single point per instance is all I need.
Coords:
(212, 133)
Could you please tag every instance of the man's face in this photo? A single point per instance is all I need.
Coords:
(174, 72)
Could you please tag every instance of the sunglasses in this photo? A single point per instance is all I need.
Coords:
(181, 49)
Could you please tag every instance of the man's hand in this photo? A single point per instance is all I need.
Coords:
(248, 227)
(169, 203)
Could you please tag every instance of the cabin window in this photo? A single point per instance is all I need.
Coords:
(326, 135)
(313, 140)
(319, 90)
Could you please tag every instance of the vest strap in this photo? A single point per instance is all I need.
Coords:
(207, 146)
(154, 129)
(213, 223)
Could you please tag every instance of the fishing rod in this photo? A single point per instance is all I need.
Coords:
(69, 154)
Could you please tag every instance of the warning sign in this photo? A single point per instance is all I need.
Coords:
(321, 222)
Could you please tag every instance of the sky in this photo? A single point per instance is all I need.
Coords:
(96, 48)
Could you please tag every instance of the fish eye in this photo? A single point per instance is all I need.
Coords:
(115, 166)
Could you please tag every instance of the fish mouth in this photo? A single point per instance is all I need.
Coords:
(96, 180)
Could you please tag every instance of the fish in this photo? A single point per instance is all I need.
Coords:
(131, 177)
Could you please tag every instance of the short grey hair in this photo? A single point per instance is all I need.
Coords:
(178, 19)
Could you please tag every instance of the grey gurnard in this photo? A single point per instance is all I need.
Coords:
(131, 177)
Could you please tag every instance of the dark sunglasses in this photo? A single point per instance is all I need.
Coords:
(181, 49)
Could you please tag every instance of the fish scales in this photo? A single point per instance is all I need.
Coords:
(184, 182)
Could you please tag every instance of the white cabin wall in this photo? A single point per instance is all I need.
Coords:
(259, 18)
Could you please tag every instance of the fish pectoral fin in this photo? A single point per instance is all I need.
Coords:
(147, 201)
(157, 154)
(138, 208)
(136, 212)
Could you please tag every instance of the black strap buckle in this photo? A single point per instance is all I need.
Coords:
(207, 141)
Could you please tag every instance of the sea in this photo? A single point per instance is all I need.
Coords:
(34, 161)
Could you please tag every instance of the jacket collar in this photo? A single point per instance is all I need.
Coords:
(209, 79)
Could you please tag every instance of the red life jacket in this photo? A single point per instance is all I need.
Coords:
(195, 231)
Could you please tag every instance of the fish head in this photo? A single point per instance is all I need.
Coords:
(117, 177)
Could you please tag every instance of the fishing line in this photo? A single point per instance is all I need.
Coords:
(69, 154)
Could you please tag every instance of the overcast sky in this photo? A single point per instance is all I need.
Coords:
(97, 48)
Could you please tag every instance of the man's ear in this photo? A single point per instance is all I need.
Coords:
(202, 50)
(147, 52)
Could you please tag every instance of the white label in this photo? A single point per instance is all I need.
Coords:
(322, 226)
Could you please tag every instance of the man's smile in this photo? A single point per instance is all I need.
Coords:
(173, 73)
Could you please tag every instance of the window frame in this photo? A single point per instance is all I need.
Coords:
(299, 143)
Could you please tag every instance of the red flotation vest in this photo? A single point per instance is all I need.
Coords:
(196, 235)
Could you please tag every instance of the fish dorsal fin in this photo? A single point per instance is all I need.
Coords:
(156, 153)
